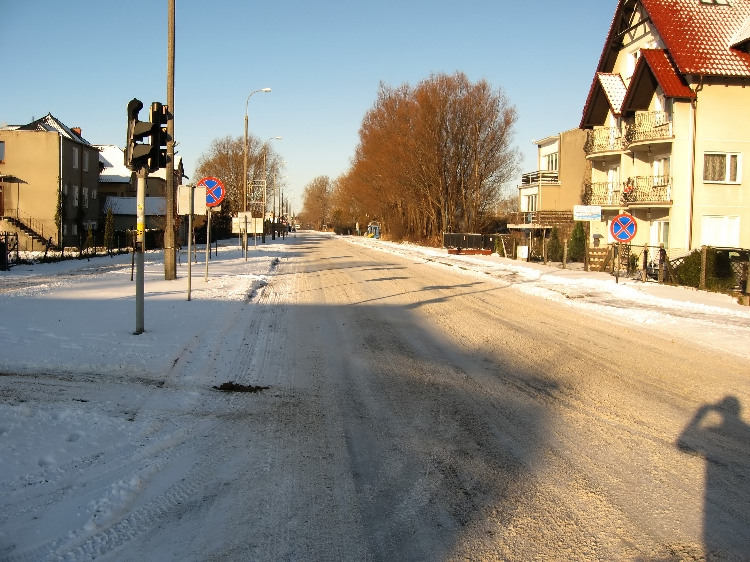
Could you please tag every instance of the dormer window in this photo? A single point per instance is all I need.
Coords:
(716, 2)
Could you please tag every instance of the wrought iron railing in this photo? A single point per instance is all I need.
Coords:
(604, 139)
(649, 125)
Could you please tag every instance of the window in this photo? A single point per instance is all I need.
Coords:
(529, 203)
(75, 196)
(85, 161)
(75, 157)
(552, 162)
(720, 231)
(721, 167)
(85, 197)
(2, 151)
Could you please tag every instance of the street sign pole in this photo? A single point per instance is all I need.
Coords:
(140, 225)
(190, 238)
(208, 240)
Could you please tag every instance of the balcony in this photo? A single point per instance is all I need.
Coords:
(540, 176)
(604, 139)
(649, 126)
(647, 190)
(641, 190)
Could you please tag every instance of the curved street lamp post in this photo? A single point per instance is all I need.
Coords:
(244, 177)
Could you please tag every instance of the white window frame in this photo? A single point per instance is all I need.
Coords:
(729, 156)
(75, 157)
(727, 226)
(75, 196)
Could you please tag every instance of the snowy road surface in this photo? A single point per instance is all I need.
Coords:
(415, 410)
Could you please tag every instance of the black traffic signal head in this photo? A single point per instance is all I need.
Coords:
(160, 116)
(136, 151)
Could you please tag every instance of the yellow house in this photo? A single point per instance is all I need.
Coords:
(49, 178)
(668, 123)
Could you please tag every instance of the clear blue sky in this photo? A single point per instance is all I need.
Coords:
(83, 60)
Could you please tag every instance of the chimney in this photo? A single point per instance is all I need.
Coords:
(76, 130)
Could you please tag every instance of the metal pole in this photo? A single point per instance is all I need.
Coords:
(140, 222)
(244, 179)
(190, 238)
(208, 240)
(170, 263)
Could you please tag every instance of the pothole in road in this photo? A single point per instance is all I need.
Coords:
(235, 387)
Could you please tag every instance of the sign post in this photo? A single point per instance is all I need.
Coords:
(215, 193)
(623, 229)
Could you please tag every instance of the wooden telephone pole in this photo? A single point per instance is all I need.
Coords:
(170, 263)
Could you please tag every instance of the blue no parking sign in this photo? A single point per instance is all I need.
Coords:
(623, 227)
(214, 191)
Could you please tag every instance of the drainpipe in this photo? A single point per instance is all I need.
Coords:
(694, 134)
(60, 193)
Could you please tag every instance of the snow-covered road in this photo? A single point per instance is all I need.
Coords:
(419, 407)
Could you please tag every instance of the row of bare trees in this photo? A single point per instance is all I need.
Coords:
(431, 158)
(224, 159)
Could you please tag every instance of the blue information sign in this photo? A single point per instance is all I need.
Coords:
(214, 191)
(623, 228)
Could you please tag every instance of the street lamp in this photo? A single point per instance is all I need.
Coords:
(244, 177)
(265, 184)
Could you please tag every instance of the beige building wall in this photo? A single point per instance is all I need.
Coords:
(723, 126)
(45, 163)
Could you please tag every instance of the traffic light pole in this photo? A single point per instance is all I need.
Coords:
(140, 224)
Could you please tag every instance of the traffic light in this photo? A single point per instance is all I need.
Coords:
(160, 116)
(136, 151)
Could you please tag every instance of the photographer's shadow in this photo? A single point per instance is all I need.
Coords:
(718, 434)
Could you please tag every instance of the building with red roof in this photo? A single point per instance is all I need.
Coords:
(668, 123)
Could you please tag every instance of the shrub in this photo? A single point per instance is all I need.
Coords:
(577, 247)
(554, 246)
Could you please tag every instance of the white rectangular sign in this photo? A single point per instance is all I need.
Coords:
(587, 212)
(254, 225)
(183, 200)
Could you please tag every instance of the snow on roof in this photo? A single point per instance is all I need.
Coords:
(127, 205)
(52, 124)
(615, 90)
(113, 165)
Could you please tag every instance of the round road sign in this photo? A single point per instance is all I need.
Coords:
(623, 227)
(215, 191)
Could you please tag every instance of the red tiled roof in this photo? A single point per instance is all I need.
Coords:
(671, 82)
(699, 39)
(699, 36)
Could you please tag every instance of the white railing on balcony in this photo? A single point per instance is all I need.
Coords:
(543, 176)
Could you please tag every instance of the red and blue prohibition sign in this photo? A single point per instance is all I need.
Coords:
(215, 191)
(623, 228)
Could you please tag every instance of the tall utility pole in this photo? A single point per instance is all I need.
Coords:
(170, 263)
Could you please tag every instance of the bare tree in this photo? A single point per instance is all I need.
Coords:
(433, 158)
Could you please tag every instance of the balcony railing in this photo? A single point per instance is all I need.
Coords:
(540, 176)
(646, 126)
(604, 139)
(634, 191)
(647, 189)
(649, 125)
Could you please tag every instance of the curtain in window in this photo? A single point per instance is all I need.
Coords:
(714, 167)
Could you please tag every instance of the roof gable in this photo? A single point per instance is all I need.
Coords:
(50, 123)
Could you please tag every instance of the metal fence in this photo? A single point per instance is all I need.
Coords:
(464, 241)
(708, 268)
